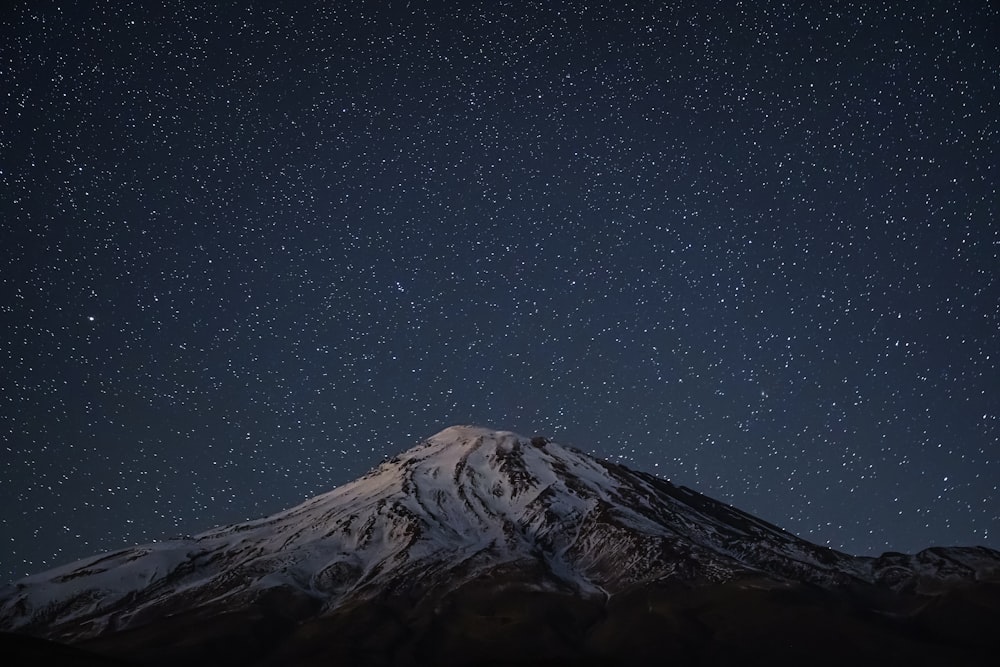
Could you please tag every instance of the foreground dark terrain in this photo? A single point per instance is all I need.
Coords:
(486, 548)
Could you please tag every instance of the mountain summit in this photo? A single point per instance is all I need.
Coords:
(477, 541)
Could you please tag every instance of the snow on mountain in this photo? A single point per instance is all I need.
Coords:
(465, 502)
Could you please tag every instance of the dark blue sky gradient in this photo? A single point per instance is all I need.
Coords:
(249, 250)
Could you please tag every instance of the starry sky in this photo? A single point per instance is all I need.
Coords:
(250, 249)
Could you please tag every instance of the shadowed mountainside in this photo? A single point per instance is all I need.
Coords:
(481, 547)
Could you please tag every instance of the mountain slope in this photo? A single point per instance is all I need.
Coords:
(465, 515)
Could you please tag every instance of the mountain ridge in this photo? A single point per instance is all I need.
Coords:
(472, 512)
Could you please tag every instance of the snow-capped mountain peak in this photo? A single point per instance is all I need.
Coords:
(464, 504)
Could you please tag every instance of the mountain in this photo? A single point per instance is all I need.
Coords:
(486, 547)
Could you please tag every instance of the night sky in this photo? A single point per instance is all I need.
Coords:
(250, 249)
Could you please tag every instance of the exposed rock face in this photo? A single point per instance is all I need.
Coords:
(482, 547)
